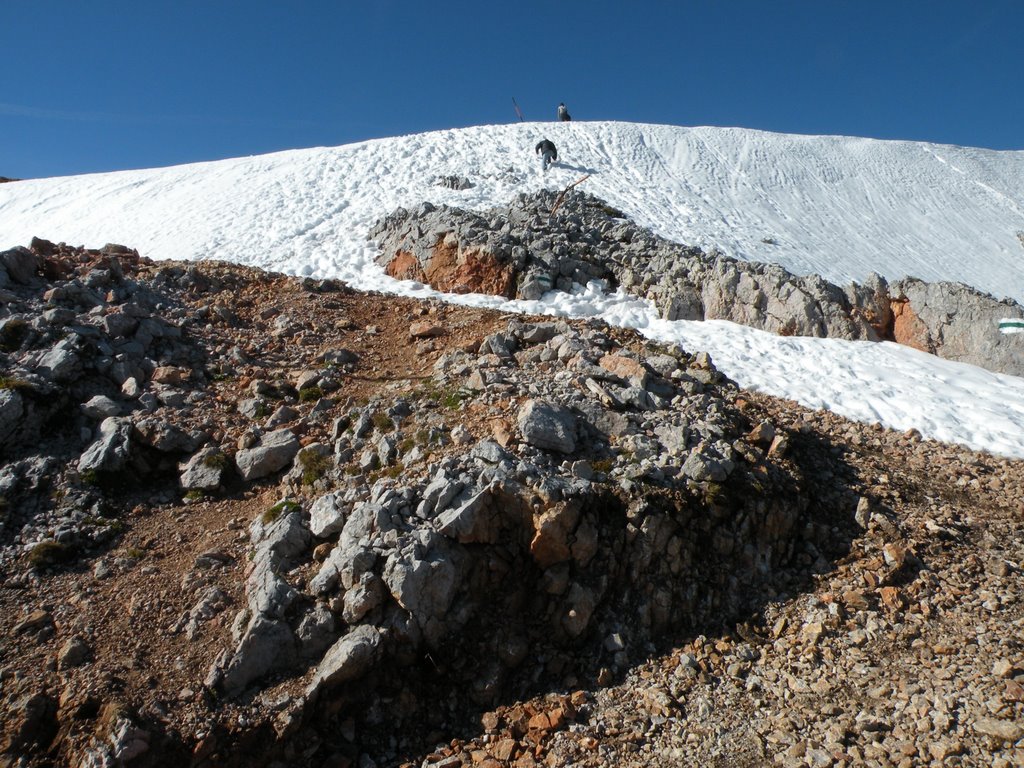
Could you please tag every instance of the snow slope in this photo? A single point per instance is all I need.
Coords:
(840, 207)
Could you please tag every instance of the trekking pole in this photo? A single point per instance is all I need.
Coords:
(518, 110)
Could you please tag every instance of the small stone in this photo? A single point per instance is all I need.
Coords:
(461, 435)
(762, 434)
(34, 623)
(1003, 668)
(422, 329)
(74, 653)
(1014, 691)
(940, 750)
(863, 514)
(1002, 730)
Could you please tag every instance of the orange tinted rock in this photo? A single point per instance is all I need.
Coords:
(405, 267)
(908, 328)
(468, 270)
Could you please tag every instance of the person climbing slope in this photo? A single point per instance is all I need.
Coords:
(563, 113)
(548, 153)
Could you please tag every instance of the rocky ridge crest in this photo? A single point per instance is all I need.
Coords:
(555, 240)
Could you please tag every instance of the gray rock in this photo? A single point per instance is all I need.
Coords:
(387, 450)
(534, 285)
(547, 425)
(283, 415)
(501, 344)
(21, 264)
(707, 464)
(348, 659)
(339, 356)
(171, 397)
(327, 514)
(353, 556)
(152, 328)
(284, 537)
(111, 450)
(369, 460)
(346, 564)
(12, 408)
(423, 580)
(205, 470)
(100, 407)
(74, 653)
(163, 436)
(127, 741)
(363, 425)
(130, 387)
(274, 452)
(120, 324)
(957, 322)
(438, 494)
(315, 632)
(267, 592)
(490, 452)
(363, 597)
(308, 379)
(62, 362)
(267, 645)
(252, 407)
(536, 333)
(474, 521)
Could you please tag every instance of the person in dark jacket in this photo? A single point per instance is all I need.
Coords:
(548, 153)
(563, 113)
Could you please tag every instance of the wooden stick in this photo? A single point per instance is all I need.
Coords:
(561, 197)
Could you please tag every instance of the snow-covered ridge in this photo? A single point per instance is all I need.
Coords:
(839, 207)
(836, 206)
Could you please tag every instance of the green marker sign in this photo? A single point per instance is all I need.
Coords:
(1011, 325)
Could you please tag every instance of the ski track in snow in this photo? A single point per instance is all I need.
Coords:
(840, 207)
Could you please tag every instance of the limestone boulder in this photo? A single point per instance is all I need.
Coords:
(547, 425)
(275, 451)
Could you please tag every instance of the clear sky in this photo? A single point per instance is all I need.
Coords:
(102, 85)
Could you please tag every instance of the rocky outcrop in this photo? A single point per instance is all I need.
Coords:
(267, 642)
(616, 504)
(553, 242)
(956, 322)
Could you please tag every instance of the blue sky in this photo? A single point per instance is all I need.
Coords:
(94, 86)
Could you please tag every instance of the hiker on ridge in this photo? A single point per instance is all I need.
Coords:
(548, 153)
(563, 113)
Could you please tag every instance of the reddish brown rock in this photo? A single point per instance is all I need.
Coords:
(552, 529)
(405, 267)
(908, 329)
(422, 329)
(454, 269)
(625, 367)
